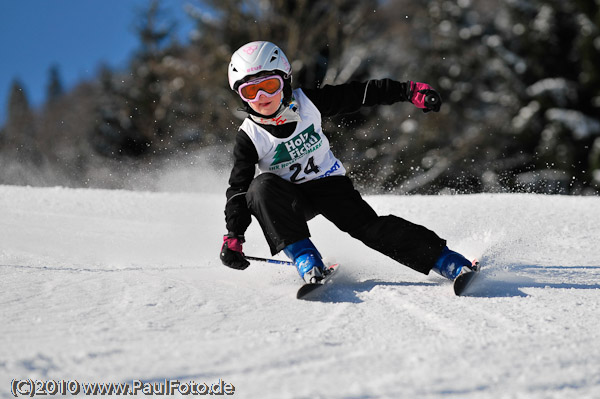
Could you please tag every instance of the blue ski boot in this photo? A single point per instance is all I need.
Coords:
(307, 260)
(450, 264)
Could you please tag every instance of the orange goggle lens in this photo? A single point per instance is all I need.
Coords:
(270, 86)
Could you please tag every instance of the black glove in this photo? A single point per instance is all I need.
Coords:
(231, 252)
(433, 101)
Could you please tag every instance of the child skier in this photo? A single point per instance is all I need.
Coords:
(299, 175)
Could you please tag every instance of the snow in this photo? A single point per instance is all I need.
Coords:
(117, 286)
(581, 125)
(560, 90)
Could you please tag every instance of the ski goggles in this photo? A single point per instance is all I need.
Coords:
(269, 86)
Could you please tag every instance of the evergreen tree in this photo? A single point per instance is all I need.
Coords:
(548, 43)
(55, 87)
(19, 131)
(519, 95)
(134, 118)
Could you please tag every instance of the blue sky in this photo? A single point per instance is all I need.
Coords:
(75, 35)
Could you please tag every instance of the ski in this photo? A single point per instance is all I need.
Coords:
(309, 289)
(464, 280)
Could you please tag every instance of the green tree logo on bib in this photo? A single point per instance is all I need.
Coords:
(303, 143)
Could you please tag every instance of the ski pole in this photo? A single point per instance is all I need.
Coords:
(280, 262)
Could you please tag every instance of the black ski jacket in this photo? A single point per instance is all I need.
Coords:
(330, 101)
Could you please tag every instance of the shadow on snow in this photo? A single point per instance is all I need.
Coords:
(510, 281)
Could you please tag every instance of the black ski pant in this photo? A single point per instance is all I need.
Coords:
(283, 209)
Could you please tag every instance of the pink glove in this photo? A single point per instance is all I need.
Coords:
(233, 243)
(423, 96)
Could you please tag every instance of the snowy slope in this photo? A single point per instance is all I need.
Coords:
(116, 286)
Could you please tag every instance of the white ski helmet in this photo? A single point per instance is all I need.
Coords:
(256, 57)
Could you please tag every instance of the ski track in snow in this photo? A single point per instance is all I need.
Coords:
(115, 286)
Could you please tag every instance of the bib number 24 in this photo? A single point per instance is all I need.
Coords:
(297, 169)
